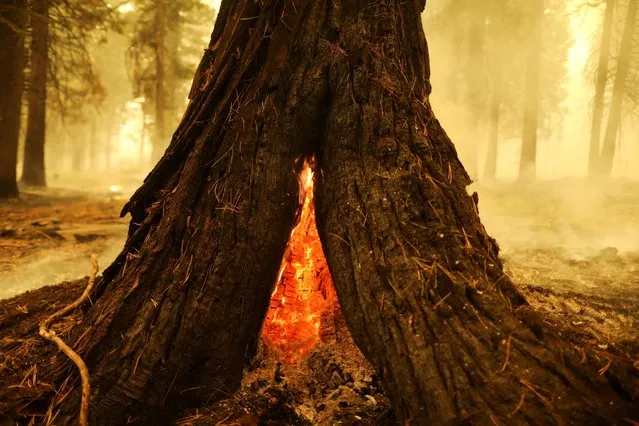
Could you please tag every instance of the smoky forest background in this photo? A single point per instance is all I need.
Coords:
(540, 98)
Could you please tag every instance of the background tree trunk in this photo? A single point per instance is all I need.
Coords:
(490, 170)
(476, 81)
(159, 136)
(618, 91)
(528, 161)
(33, 169)
(175, 101)
(12, 26)
(600, 87)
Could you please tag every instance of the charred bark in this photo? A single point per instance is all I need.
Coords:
(33, 170)
(12, 26)
(419, 281)
(191, 289)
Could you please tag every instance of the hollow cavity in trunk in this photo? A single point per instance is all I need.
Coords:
(303, 305)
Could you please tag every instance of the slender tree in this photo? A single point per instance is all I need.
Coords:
(33, 170)
(159, 136)
(600, 87)
(476, 80)
(618, 91)
(419, 281)
(12, 32)
(528, 160)
(490, 169)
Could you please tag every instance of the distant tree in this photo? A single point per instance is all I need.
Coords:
(12, 32)
(528, 159)
(618, 91)
(159, 63)
(496, 63)
(600, 86)
(62, 80)
(33, 169)
(75, 90)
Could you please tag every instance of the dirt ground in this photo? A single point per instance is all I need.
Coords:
(574, 252)
(47, 237)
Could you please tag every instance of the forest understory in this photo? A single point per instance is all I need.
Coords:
(573, 263)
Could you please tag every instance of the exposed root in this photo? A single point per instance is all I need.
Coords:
(77, 360)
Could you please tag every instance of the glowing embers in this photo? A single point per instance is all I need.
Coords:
(303, 303)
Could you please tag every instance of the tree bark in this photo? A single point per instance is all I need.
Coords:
(12, 26)
(618, 92)
(600, 88)
(192, 286)
(419, 281)
(33, 170)
(528, 161)
(159, 136)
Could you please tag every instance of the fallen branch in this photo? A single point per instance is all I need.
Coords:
(77, 360)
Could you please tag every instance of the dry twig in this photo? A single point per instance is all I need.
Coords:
(50, 335)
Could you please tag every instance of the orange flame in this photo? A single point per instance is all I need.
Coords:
(304, 292)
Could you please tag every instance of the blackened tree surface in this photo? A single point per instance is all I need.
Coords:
(12, 29)
(33, 170)
(418, 279)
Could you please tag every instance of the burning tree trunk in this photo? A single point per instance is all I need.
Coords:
(419, 281)
(12, 26)
(33, 170)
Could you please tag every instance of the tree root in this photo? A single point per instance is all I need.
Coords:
(77, 360)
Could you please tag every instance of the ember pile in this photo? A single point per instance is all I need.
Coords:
(304, 304)
(333, 385)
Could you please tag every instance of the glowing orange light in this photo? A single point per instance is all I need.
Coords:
(304, 291)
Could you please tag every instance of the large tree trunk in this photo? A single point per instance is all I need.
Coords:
(12, 26)
(180, 310)
(600, 88)
(159, 135)
(33, 170)
(528, 159)
(618, 92)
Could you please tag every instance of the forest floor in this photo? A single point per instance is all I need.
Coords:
(573, 251)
